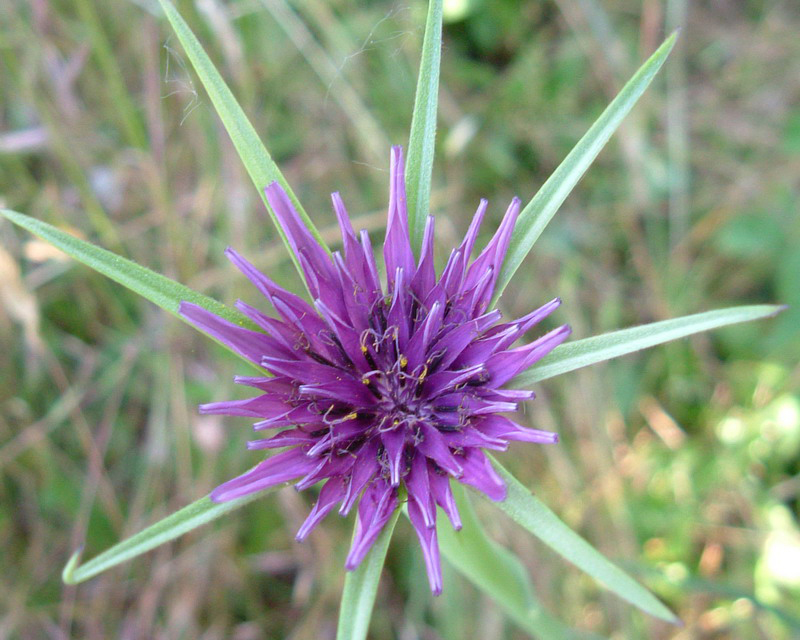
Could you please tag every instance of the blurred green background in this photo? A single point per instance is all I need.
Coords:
(681, 463)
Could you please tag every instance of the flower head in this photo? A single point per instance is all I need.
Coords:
(372, 387)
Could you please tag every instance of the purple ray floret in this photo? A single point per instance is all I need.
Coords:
(375, 387)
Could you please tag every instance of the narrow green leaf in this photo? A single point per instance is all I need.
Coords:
(361, 587)
(541, 209)
(582, 353)
(190, 517)
(496, 571)
(537, 518)
(251, 150)
(419, 163)
(158, 289)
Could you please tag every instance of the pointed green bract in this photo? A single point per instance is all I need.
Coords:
(496, 571)
(156, 288)
(251, 150)
(361, 587)
(582, 353)
(541, 209)
(537, 518)
(190, 517)
(419, 162)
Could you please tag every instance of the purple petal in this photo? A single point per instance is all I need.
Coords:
(417, 349)
(280, 468)
(397, 252)
(398, 315)
(453, 274)
(250, 344)
(331, 493)
(454, 342)
(498, 245)
(526, 322)
(477, 298)
(357, 308)
(480, 350)
(471, 404)
(298, 235)
(346, 334)
(505, 365)
(327, 467)
(341, 389)
(288, 438)
(419, 489)
(267, 287)
(479, 473)
(364, 469)
(374, 510)
(394, 442)
(433, 445)
(445, 380)
(443, 495)
(282, 338)
(470, 438)
(430, 547)
(352, 250)
(474, 227)
(279, 385)
(425, 277)
(373, 288)
(264, 405)
(504, 233)
(341, 433)
(502, 427)
(307, 371)
(303, 414)
(493, 254)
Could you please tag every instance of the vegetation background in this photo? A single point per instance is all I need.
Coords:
(682, 463)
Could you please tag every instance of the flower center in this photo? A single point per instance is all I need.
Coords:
(397, 388)
(399, 396)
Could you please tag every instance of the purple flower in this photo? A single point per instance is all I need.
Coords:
(372, 389)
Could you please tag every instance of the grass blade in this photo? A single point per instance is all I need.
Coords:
(124, 106)
(361, 587)
(419, 161)
(541, 209)
(190, 517)
(371, 137)
(251, 150)
(536, 517)
(496, 571)
(156, 288)
(582, 353)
